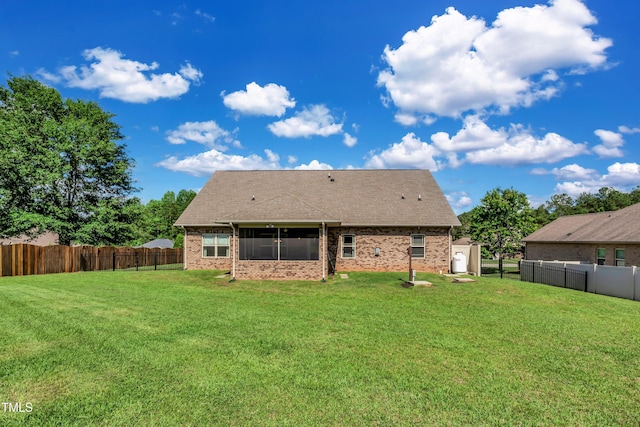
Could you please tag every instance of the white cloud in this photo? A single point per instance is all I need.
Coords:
(51, 77)
(190, 73)
(411, 152)
(349, 140)
(411, 119)
(270, 100)
(314, 165)
(207, 133)
(480, 144)
(459, 200)
(521, 147)
(206, 163)
(207, 18)
(292, 159)
(474, 135)
(628, 130)
(621, 176)
(458, 64)
(406, 119)
(14, 53)
(127, 80)
(569, 172)
(271, 156)
(313, 121)
(611, 144)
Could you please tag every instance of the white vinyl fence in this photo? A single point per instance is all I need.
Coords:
(621, 282)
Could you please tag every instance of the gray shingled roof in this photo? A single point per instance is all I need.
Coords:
(347, 197)
(621, 226)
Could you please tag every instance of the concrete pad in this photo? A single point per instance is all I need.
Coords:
(462, 280)
(420, 283)
(222, 276)
(344, 276)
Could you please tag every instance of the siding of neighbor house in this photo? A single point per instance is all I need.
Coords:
(577, 237)
(381, 208)
(583, 252)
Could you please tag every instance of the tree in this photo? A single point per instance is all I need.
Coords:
(462, 230)
(560, 205)
(159, 216)
(634, 196)
(501, 221)
(62, 168)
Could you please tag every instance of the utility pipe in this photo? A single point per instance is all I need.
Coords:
(233, 252)
(324, 251)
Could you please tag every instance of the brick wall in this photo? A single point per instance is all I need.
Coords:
(193, 258)
(393, 243)
(583, 252)
(279, 270)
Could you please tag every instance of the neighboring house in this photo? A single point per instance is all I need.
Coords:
(298, 224)
(158, 244)
(606, 238)
(44, 239)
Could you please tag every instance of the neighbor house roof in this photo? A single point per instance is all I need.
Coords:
(622, 226)
(159, 244)
(346, 197)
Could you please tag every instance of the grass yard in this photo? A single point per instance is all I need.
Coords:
(186, 348)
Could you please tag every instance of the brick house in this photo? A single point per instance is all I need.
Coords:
(605, 238)
(295, 224)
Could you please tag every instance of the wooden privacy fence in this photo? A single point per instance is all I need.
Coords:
(24, 259)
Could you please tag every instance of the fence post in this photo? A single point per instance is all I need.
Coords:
(586, 273)
(500, 265)
(137, 260)
(155, 260)
(114, 261)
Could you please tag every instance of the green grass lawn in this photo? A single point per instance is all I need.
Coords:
(186, 348)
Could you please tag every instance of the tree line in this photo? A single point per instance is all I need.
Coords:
(64, 169)
(504, 216)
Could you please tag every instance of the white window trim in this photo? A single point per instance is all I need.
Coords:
(352, 245)
(216, 245)
(424, 244)
(598, 258)
(615, 253)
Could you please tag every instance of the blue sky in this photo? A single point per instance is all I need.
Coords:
(538, 96)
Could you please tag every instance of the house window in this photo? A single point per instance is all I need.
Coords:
(601, 256)
(215, 245)
(348, 246)
(620, 257)
(302, 244)
(417, 246)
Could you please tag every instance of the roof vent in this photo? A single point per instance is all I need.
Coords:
(253, 197)
(419, 196)
(403, 195)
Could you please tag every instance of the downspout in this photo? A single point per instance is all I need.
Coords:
(449, 251)
(324, 252)
(233, 252)
(184, 247)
